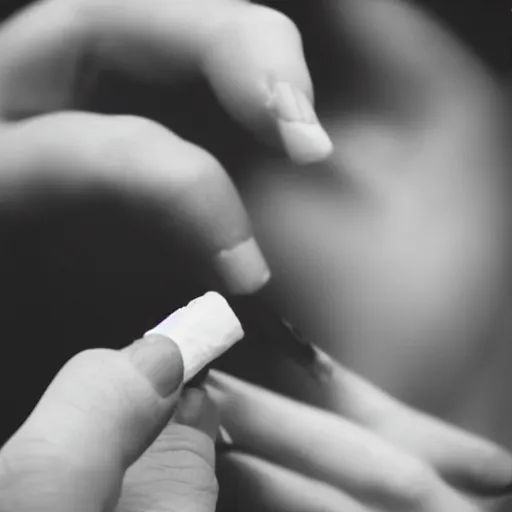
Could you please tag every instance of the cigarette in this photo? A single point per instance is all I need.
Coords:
(203, 330)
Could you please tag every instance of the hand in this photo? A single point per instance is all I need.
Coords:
(52, 57)
(376, 454)
(85, 445)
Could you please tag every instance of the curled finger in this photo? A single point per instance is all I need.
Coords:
(145, 162)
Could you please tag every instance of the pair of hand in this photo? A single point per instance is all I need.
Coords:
(100, 439)
(51, 55)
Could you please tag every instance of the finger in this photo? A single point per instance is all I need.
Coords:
(98, 415)
(323, 446)
(105, 408)
(250, 484)
(196, 410)
(463, 459)
(183, 452)
(74, 151)
(252, 56)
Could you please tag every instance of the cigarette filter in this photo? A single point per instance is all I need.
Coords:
(203, 330)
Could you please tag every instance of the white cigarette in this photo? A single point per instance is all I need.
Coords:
(203, 330)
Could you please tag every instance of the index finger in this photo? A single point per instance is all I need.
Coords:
(251, 55)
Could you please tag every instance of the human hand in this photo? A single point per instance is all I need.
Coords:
(52, 56)
(85, 446)
(100, 438)
(374, 454)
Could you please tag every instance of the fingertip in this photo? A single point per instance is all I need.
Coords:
(303, 137)
(243, 268)
(305, 143)
(259, 71)
(490, 477)
(197, 410)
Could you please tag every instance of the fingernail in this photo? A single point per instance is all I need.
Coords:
(243, 268)
(228, 448)
(197, 411)
(160, 361)
(203, 330)
(223, 436)
(304, 138)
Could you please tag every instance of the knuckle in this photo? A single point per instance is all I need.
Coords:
(125, 145)
(192, 446)
(194, 470)
(196, 171)
(203, 168)
(139, 151)
(129, 134)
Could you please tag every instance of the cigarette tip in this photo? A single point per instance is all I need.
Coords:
(203, 330)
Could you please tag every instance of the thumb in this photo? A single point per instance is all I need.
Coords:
(105, 408)
(101, 412)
